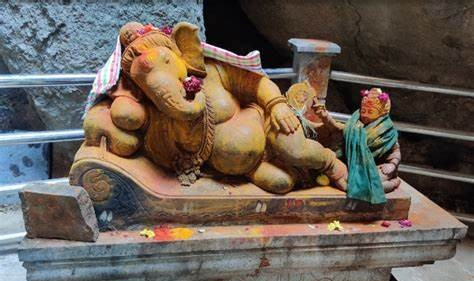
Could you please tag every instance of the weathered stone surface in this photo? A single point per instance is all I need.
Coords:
(390, 38)
(73, 37)
(17, 111)
(251, 252)
(58, 211)
(425, 41)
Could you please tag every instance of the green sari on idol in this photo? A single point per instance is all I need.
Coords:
(363, 144)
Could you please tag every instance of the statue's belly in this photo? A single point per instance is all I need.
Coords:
(239, 143)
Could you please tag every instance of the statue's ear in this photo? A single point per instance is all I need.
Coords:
(186, 37)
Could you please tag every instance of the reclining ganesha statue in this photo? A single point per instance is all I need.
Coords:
(170, 120)
(237, 122)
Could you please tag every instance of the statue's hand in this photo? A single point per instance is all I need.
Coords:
(283, 119)
(387, 168)
(323, 114)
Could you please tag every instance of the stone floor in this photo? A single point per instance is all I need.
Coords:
(459, 268)
(11, 221)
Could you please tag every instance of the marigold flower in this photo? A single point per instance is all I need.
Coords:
(148, 233)
(335, 225)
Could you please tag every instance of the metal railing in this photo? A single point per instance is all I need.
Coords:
(55, 80)
(41, 137)
(399, 84)
(78, 134)
(59, 80)
(45, 80)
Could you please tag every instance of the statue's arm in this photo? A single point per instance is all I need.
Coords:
(249, 87)
(326, 120)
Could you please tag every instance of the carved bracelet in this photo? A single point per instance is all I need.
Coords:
(274, 101)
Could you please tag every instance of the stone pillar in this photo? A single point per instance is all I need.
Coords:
(312, 62)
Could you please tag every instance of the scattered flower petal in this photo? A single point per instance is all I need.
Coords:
(383, 97)
(147, 28)
(335, 225)
(312, 226)
(364, 93)
(201, 230)
(148, 233)
(167, 30)
(405, 223)
(385, 224)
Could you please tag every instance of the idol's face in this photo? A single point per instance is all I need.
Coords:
(369, 110)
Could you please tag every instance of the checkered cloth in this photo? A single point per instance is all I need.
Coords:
(109, 74)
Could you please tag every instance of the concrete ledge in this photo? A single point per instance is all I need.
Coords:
(255, 252)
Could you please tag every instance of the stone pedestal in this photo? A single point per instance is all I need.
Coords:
(361, 251)
(135, 191)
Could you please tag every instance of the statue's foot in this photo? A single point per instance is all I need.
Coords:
(272, 178)
(341, 184)
(338, 175)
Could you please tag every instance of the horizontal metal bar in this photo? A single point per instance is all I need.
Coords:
(56, 80)
(10, 242)
(78, 134)
(416, 129)
(13, 189)
(41, 137)
(280, 73)
(400, 84)
(440, 174)
(45, 80)
(12, 236)
(466, 218)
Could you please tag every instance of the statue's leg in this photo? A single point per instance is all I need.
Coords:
(273, 178)
(127, 113)
(98, 123)
(391, 184)
(296, 150)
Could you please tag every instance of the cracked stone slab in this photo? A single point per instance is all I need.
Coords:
(58, 211)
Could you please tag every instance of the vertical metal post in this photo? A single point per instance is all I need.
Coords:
(312, 62)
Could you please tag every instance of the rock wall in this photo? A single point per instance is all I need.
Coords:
(74, 37)
(17, 111)
(427, 41)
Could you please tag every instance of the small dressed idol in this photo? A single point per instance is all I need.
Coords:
(371, 149)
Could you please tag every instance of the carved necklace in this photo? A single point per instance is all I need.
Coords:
(188, 165)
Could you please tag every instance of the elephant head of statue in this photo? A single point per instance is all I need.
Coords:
(158, 63)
